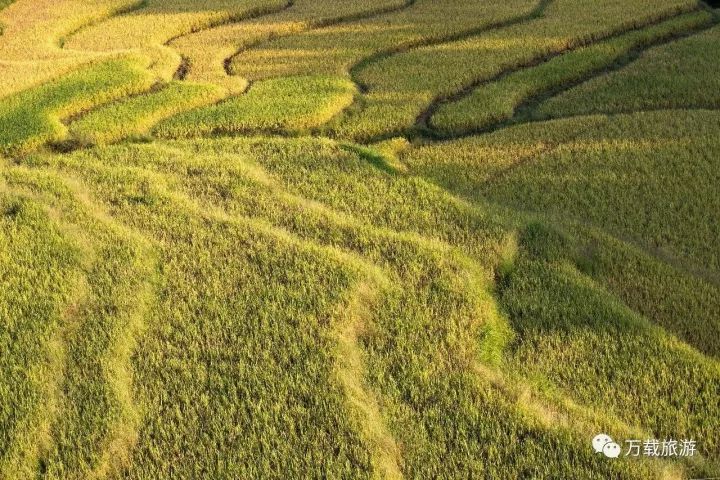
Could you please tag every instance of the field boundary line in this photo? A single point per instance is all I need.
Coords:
(125, 10)
(318, 25)
(250, 14)
(599, 113)
(354, 69)
(354, 318)
(423, 127)
(671, 258)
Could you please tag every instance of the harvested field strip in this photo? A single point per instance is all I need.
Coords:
(676, 75)
(404, 85)
(286, 105)
(34, 117)
(497, 101)
(138, 115)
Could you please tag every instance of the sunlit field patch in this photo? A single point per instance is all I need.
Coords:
(209, 52)
(678, 75)
(292, 104)
(136, 116)
(385, 240)
(32, 118)
(497, 101)
(402, 86)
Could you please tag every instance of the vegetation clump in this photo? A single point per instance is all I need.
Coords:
(386, 239)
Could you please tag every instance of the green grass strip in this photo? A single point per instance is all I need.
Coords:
(292, 104)
(682, 74)
(137, 115)
(497, 101)
(33, 117)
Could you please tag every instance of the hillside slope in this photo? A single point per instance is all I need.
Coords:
(387, 239)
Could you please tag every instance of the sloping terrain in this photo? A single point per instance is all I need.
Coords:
(386, 239)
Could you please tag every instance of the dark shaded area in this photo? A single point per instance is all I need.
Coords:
(183, 69)
(64, 146)
(713, 3)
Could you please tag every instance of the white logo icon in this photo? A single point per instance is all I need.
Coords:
(604, 444)
(611, 450)
(599, 442)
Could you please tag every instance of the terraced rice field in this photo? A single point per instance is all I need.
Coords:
(381, 239)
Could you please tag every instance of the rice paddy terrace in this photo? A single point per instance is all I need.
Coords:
(287, 239)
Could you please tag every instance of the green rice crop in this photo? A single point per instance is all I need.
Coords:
(651, 185)
(208, 50)
(31, 51)
(137, 115)
(678, 75)
(497, 101)
(402, 86)
(40, 277)
(195, 282)
(639, 176)
(157, 22)
(212, 216)
(33, 117)
(292, 104)
(333, 50)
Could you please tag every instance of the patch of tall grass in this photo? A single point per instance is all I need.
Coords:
(136, 116)
(401, 87)
(681, 74)
(497, 101)
(288, 105)
(34, 117)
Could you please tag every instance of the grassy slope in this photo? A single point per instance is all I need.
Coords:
(402, 86)
(260, 307)
(208, 50)
(33, 117)
(40, 276)
(307, 52)
(136, 116)
(32, 38)
(310, 190)
(497, 101)
(292, 104)
(678, 75)
(641, 176)
(647, 178)
(90, 417)
(157, 22)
